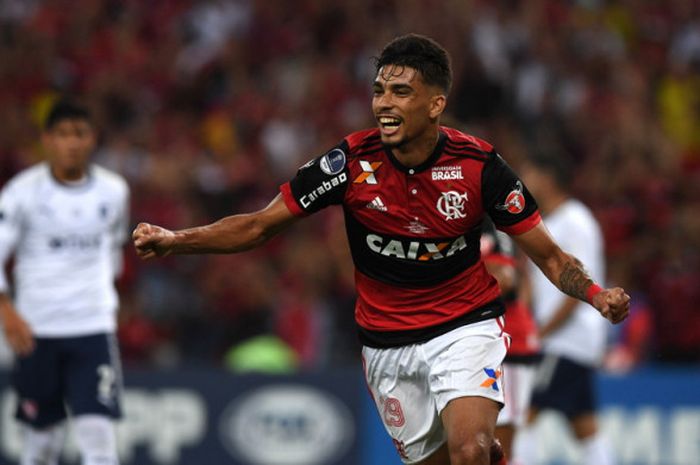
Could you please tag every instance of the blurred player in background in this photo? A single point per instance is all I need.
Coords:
(498, 253)
(428, 313)
(573, 339)
(65, 220)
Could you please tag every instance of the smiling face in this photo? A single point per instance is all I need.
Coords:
(405, 107)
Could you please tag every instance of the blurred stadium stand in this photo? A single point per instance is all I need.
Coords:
(207, 106)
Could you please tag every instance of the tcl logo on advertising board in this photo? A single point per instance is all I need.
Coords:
(287, 425)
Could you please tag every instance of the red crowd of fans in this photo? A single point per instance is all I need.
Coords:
(207, 106)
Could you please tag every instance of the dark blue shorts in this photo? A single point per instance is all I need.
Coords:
(564, 386)
(80, 375)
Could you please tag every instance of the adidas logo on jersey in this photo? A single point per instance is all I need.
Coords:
(377, 204)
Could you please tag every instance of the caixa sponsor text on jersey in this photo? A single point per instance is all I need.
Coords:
(415, 250)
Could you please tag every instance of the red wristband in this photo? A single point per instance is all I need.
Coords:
(593, 289)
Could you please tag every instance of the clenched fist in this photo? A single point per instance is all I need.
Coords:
(152, 241)
(613, 304)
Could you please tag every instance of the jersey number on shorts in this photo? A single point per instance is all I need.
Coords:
(106, 384)
(393, 414)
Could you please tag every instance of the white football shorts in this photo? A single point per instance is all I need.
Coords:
(517, 388)
(412, 384)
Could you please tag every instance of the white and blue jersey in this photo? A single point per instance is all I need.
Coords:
(582, 338)
(66, 240)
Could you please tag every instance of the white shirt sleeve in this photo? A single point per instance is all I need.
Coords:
(120, 234)
(10, 224)
(584, 241)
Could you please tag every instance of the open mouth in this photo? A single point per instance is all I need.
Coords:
(389, 123)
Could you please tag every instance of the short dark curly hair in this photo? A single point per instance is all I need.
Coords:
(422, 54)
(63, 109)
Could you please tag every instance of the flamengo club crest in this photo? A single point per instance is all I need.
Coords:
(451, 205)
(515, 201)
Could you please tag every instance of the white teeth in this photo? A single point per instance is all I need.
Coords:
(388, 120)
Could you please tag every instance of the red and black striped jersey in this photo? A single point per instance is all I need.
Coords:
(414, 232)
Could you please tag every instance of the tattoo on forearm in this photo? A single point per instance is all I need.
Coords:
(574, 279)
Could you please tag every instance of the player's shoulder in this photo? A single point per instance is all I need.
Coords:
(574, 208)
(109, 179)
(461, 144)
(365, 142)
(28, 178)
(579, 217)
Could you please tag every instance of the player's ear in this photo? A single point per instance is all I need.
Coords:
(438, 102)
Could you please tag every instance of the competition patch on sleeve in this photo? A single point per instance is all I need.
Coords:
(333, 162)
(515, 200)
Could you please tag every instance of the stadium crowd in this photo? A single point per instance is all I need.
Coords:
(206, 107)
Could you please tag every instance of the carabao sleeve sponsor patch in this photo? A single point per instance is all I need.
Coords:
(319, 183)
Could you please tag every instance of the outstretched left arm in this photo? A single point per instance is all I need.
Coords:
(568, 274)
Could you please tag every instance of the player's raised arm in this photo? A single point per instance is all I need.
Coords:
(568, 274)
(231, 234)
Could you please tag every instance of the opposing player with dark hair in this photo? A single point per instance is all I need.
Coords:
(573, 340)
(66, 222)
(428, 313)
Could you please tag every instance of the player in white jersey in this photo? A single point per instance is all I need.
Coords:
(65, 222)
(573, 338)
